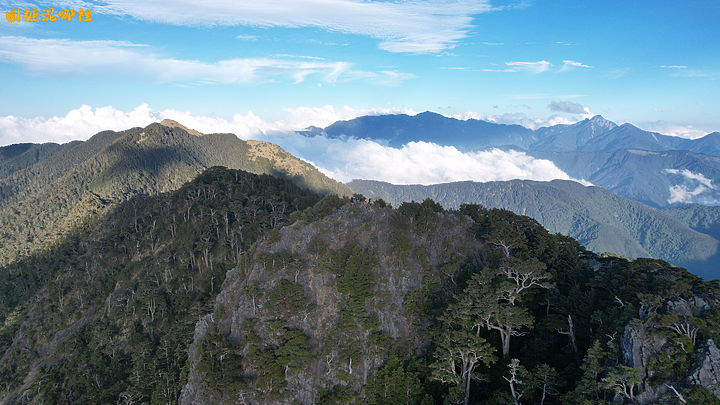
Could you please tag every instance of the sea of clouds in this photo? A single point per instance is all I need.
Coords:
(344, 160)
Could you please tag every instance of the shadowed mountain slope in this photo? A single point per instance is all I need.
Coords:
(40, 202)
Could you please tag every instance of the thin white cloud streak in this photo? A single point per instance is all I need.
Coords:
(538, 67)
(401, 26)
(570, 65)
(391, 78)
(63, 57)
(696, 189)
(531, 67)
(82, 123)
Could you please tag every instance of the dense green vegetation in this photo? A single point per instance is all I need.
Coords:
(699, 217)
(109, 314)
(530, 318)
(46, 190)
(600, 220)
(254, 290)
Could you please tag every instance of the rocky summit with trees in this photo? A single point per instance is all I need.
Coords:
(419, 305)
(242, 288)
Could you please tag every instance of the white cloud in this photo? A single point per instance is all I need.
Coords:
(666, 128)
(516, 119)
(566, 107)
(570, 65)
(692, 176)
(532, 67)
(401, 26)
(570, 108)
(121, 58)
(418, 162)
(82, 123)
(78, 124)
(694, 188)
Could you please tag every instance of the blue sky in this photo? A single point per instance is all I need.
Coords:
(274, 66)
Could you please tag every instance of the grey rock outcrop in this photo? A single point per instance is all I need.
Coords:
(706, 372)
(639, 343)
(642, 340)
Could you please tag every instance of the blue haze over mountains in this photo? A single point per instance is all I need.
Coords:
(636, 164)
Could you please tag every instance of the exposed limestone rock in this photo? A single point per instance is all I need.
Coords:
(641, 341)
(639, 344)
(690, 307)
(189, 392)
(707, 368)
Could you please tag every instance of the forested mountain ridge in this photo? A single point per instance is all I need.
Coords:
(343, 302)
(48, 195)
(643, 176)
(417, 305)
(597, 218)
(107, 314)
(699, 217)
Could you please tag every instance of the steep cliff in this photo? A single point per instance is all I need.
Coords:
(664, 345)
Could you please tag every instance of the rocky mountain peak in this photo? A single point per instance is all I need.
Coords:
(598, 122)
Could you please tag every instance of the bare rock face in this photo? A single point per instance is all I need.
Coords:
(707, 368)
(690, 307)
(344, 337)
(642, 341)
(639, 343)
(189, 393)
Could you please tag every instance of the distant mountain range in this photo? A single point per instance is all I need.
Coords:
(645, 176)
(636, 164)
(599, 219)
(592, 135)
